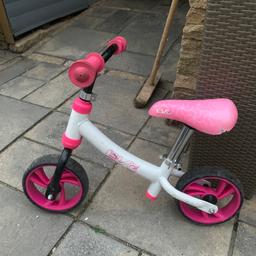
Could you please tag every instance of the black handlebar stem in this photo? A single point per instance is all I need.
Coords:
(107, 54)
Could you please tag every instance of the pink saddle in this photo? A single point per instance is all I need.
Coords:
(211, 116)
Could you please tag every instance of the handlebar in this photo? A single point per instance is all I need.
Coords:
(83, 72)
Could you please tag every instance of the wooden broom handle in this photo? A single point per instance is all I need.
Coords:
(163, 41)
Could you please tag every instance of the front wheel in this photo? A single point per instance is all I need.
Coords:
(74, 184)
(217, 186)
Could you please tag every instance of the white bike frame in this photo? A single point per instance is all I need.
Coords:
(79, 126)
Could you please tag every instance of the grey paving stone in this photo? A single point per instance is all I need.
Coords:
(86, 21)
(135, 4)
(121, 209)
(114, 104)
(144, 33)
(245, 244)
(183, 9)
(66, 107)
(148, 151)
(9, 63)
(26, 230)
(20, 87)
(53, 93)
(169, 65)
(12, 170)
(116, 22)
(132, 63)
(50, 131)
(125, 75)
(16, 117)
(166, 85)
(46, 58)
(247, 212)
(15, 70)
(156, 130)
(75, 43)
(81, 240)
(6, 56)
(15, 160)
(44, 71)
(163, 7)
(98, 11)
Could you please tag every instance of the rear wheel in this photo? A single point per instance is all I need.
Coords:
(217, 186)
(74, 184)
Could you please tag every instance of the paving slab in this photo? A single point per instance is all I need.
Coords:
(81, 240)
(116, 22)
(99, 11)
(169, 65)
(125, 75)
(14, 162)
(15, 70)
(247, 213)
(183, 9)
(162, 8)
(132, 63)
(53, 93)
(142, 64)
(85, 21)
(46, 58)
(6, 56)
(26, 230)
(11, 62)
(45, 71)
(20, 87)
(74, 43)
(50, 131)
(245, 244)
(121, 209)
(156, 130)
(147, 150)
(135, 4)
(66, 107)
(12, 169)
(17, 117)
(144, 33)
(114, 104)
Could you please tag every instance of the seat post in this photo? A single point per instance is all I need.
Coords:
(179, 145)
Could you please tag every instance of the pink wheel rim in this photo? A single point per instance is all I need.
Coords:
(224, 190)
(38, 178)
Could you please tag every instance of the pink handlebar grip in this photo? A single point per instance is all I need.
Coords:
(120, 42)
(82, 73)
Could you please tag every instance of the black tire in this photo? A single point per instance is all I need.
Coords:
(72, 166)
(203, 172)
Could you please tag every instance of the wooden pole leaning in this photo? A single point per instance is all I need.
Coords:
(150, 84)
(5, 25)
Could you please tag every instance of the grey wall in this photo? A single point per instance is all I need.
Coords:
(25, 15)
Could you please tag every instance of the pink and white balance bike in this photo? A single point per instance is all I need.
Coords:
(206, 195)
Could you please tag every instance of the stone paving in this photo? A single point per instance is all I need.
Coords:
(116, 219)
